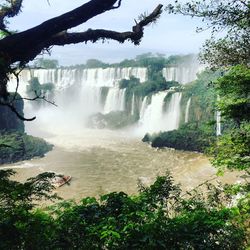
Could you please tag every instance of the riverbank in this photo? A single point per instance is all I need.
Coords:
(18, 146)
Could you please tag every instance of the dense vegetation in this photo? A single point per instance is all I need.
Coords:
(159, 217)
(232, 148)
(154, 84)
(46, 63)
(203, 97)
(229, 48)
(199, 132)
(17, 146)
(155, 62)
(189, 137)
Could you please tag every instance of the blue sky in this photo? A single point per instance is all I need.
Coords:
(172, 34)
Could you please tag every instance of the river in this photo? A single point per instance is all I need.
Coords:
(102, 161)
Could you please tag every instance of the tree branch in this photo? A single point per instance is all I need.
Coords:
(18, 44)
(37, 97)
(95, 35)
(25, 46)
(13, 109)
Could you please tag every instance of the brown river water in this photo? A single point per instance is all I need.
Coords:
(102, 161)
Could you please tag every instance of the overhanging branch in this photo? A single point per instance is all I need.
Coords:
(94, 35)
(17, 45)
(25, 46)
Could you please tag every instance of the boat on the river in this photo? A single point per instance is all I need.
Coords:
(60, 179)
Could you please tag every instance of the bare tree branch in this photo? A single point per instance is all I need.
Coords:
(18, 44)
(94, 35)
(11, 103)
(25, 46)
(37, 97)
(13, 109)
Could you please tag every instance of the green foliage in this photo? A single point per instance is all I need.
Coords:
(203, 97)
(46, 63)
(154, 62)
(129, 83)
(35, 89)
(232, 149)
(20, 226)
(230, 16)
(234, 91)
(93, 63)
(189, 137)
(159, 217)
(155, 84)
(17, 146)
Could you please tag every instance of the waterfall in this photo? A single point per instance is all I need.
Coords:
(172, 115)
(90, 100)
(154, 119)
(115, 100)
(109, 76)
(82, 87)
(187, 110)
(24, 77)
(143, 107)
(182, 74)
(151, 121)
(133, 105)
(218, 123)
(218, 120)
(79, 92)
(63, 78)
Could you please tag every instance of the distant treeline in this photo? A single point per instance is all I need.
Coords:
(144, 60)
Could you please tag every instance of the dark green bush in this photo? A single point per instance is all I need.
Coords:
(16, 146)
(189, 137)
(156, 218)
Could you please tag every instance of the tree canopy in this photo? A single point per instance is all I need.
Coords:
(229, 17)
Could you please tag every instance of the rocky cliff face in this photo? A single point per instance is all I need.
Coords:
(8, 120)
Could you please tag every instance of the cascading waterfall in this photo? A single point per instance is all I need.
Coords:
(154, 119)
(172, 116)
(182, 74)
(115, 100)
(218, 123)
(24, 78)
(187, 110)
(80, 90)
(218, 120)
(151, 120)
(143, 107)
(86, 83)
(133, 105)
